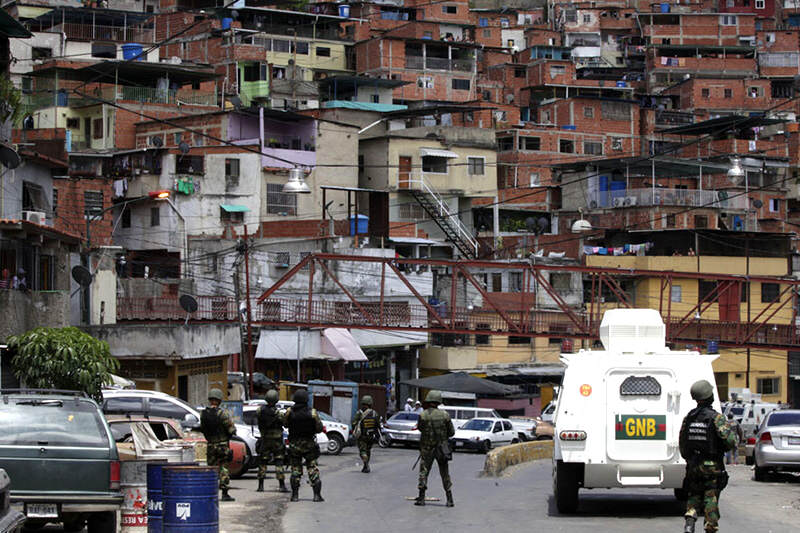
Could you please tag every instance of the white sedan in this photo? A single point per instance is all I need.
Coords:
(483, 434)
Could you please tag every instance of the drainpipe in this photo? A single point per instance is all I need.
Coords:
(261, 128)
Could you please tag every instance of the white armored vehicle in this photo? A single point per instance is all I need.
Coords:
(620, 411)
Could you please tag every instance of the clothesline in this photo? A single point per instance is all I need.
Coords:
(628, 249)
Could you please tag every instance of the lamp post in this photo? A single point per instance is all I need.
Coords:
(153, 195)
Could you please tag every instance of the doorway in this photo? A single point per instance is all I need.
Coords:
(404, 172)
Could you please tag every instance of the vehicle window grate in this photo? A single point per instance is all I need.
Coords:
(640, 386)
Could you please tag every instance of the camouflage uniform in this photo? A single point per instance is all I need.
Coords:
(366, 437)
(435, 428)
(271, 444)
(704, 438)
(304, 424)
(217, 427)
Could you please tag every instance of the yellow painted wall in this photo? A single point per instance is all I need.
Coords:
(336, 61)
(56, 117)
(498, 351)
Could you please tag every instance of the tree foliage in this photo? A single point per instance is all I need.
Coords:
(62, 358)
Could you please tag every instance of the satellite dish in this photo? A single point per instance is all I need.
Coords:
(234, 14)
(530, 224)
(236, 102)
(81, 275)
(9, 157)
(188, 303)
(543, 224)
(184, 147)
(156, 141)
(757, 204)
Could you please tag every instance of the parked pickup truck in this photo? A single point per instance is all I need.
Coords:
(63, 464)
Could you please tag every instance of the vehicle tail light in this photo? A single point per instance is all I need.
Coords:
(751, 440)
(765, 437)
(414, 428)
(572, 435)
(114, 475)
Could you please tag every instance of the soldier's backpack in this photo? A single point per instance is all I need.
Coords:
(369, 426)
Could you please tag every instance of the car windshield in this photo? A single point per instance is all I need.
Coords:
(737, 411)
(477, 424)
(406, 416)
(120, 430)
(784, 419)
(326, 417)
(51, 423)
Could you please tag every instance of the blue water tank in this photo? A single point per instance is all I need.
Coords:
(132, 52)
(363, 222)
(191, 496)
(62, 98)
(664, 7)
(344, 11)
(713, 347)
(617, 189)
(570, 127)
(226, 23)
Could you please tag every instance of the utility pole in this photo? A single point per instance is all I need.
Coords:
(243, 350)
(250, 359)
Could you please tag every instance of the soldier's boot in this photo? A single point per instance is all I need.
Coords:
(260, 485)
(318, 492)
(282, 486)
(226, 497)
(450, 499)
(689, 525)
(421, 498)
(295, 489)
(366, 467)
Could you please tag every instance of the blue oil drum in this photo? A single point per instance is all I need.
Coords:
(190, 499)
(155, 500)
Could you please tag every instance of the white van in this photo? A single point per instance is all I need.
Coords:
(619, 413)
(460, 415)
(750, 415)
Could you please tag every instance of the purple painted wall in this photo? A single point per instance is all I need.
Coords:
(279, 138)
(532, 406)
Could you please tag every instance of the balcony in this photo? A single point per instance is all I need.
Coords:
(729, 66)
(94, 95)
(439, 63)
(667, 197)
(95, 32)
(253, 90)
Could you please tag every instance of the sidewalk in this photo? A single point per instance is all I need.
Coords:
(253, 511)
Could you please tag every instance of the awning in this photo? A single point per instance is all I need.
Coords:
(338, 342)
(438, 153)
(31, 12)
(232, 208)
(10, 27)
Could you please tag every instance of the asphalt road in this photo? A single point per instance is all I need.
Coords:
(520, 500)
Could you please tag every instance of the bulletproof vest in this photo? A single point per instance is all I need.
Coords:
(433, 427)
(211, 425)
(700, 435)
(301, 424)
(369, 422)
(269, 421)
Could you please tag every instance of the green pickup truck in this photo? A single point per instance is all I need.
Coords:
(58, 451)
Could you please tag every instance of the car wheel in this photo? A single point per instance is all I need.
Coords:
(759, 473)
(102, 522)
(335, 444)
(681, 495)
(74, 522)
(514, 441)
(486, 446)
(565, 487)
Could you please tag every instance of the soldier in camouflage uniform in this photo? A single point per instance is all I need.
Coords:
(270, 426)
(218, 428)
(366, 430)
(304, 424)
(704, 438)
(435, 428)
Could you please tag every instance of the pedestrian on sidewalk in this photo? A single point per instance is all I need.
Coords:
(732, 456)
(409, 406)
(270, 426)
(435, 429)
(304, 424)
(218, 428)
(366, 429)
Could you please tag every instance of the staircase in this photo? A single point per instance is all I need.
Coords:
(455, 231)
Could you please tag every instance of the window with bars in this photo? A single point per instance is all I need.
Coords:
(640, 386)
(592, 148)
(475, 166)
(281, 259)
(530, 143)
(768, 385)
(412, 212)
(616, 111)
(92, 203)
(278, 202)
(231, 173)
(515, 281)
(55, 201)
(769, 292)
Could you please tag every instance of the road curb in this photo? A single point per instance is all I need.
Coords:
(514, 454)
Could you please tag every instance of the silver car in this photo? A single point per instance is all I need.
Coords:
(402, 428)
(777, 447)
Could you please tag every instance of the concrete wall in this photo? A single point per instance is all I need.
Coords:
(25, 311)
(168, 341)
(11, 188)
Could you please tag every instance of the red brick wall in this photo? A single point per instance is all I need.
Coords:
(69, 214)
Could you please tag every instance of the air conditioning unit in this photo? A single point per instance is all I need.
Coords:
(629, 201)
(37, 217)
(504, 24)
(616, 144)
(619, 202)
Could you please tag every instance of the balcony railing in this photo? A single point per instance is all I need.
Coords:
(667, 197)
(439, 63)
(673, 118)
(96, 95)
(95, 32)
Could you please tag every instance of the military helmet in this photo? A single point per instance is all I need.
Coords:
(367, 400)
(215, 394)
(271, 397)
(434, 396)
(702, 390)
(300, 397)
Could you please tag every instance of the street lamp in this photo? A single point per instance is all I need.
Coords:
(736, 173)
(297, 182)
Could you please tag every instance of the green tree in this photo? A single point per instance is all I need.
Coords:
(62, 358)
